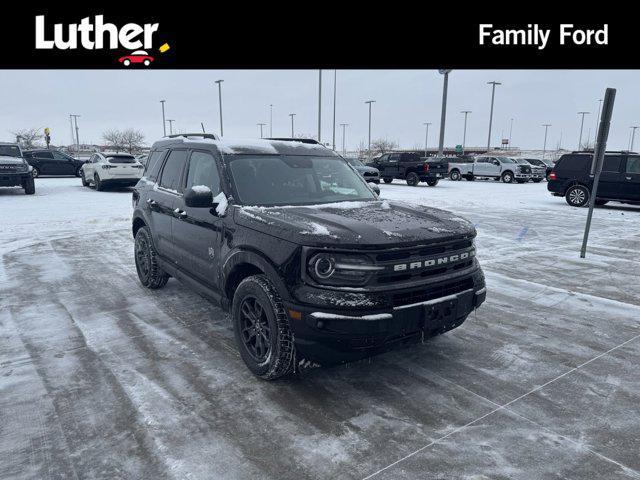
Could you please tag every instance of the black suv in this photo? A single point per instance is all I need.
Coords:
(14, 170)
(52, 162)
(314, 268)
(619, 180)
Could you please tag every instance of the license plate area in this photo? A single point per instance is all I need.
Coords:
(439, 315)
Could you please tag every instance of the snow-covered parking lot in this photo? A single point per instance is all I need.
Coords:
(100, 378)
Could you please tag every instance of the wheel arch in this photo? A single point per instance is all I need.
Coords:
(137, 224)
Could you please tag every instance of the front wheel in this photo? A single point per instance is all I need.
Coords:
(454, 175)
(507, 177)
(35, 172)
(432, 182)
(261, 328)
(29, 186)
(387, 180)
(412, 179)
(149, 271)
(577, 196)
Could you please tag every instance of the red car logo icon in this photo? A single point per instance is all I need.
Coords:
(139, 56)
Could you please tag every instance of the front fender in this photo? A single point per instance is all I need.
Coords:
(248, 257)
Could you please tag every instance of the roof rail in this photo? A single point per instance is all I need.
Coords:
(211, 136)
(608, 151)
(301, 140)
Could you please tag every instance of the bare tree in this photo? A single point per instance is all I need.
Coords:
(132, 140)
(28, 137)
(381, 146)
(113, 139)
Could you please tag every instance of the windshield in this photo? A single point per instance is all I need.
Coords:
(355, 162)
(10, 151)
(295, 180)
(507, 160)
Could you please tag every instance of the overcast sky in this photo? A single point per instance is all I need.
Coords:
(405, 99)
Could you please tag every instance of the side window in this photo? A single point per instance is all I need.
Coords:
(574, 162)
(481, 160)
(611, 164)
(633, 165)
(153, 164)
(172, 171)
(203, 171)
(394, 157)
(384, 159)
(27, 155)
(45, 155)
(95, 158)
(59, 156)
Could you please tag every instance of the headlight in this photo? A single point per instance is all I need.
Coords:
(341, 269)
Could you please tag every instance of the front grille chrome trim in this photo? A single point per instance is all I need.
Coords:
(434, 301)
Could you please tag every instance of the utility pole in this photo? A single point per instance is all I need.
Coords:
(270, 122)
(598, 121)
(292, 115)
(544, 147)
(369, 147)
(73, 135)
(443, 115)
(75, 120)
(426, 137)
(344, 126)
(581, 127)
(319, 106)
(261, 125)
(510, 132)
(335, 77)
(164, 123)
(219, 82)
(170, 126)
(493, 95)
(633, 137)
(464, 132)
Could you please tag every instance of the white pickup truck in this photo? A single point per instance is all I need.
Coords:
(499, 168)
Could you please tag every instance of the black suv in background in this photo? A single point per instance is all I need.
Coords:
(619, 180)
(412, 168)
(313, 266)
(52, 162)
(14, 170)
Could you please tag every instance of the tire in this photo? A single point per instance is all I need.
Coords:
(85, 183)
(99, 186)
(577, 196)
(507, 177)
(127, 62)
(147, 63)
(432, 182)
(261, 328)
(30, 186)
(454, 175)
(149, 272)
(601, 202)
(35, 172)
(387, 180)
(537, 180)
(412, 179)
(79, 172)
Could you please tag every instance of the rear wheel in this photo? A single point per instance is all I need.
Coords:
(412, 179)
(97, 183)
(29, 186)
(432, 182)
(79, 172)
(149, 272)
(454, 175)
(577, 196)
(85, 183)
(387, 180)
(507, 177)
(261, 328)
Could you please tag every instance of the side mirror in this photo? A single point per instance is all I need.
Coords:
(374, 187)
(198, 196)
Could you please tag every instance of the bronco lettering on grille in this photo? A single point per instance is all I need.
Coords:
(431, 262)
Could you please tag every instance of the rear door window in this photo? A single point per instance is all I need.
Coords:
(153, 164)
(576, 163)
(611, 163)
(172, 171)
(633, 165)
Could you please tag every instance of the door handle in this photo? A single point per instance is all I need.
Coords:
(180, 213)
(152, 203)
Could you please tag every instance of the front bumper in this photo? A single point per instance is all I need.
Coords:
(522, 176)
(348, 328)
(14, 179)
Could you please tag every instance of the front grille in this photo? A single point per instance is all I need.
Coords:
(425, 294)
(9, 168)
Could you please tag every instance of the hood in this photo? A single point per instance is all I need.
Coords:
(378, 223)
(365, 169)
(6, 160)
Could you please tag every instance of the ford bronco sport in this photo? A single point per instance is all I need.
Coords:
(313, 266)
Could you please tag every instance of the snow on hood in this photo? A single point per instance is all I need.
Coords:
(379, 222)
(6, 160)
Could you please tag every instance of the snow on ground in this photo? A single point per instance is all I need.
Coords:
(100, 378)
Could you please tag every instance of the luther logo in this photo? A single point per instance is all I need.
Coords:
(95, 34)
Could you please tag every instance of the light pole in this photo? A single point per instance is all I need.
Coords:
(443, 114)
(292, 115)
(464, 131)
(510, 132)
(75, 120)
(344, 126)
(261, 125)
(270, 121)
(219, 82)
(170, 125)
(335, 78)
(319, 105)
(164, 122)
(369, 102)
(426, 137)
(633, 137)
(544, 147)
(581, 127)
(493, 95)
(597, 122)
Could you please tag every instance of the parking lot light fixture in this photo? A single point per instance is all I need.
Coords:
(426, 137)
(544, 147)
(493, 96)
(581, 128)
(319, 105)
(369, 147)
(164, 122)
(270, 121)
(510, 132)
(598, 119)
(344, 127)
(633, 137)
(464, 132)
(443, 114)
(261, 125)
(292, 130)
(219, 82)
(170, 125)
(75, 121)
